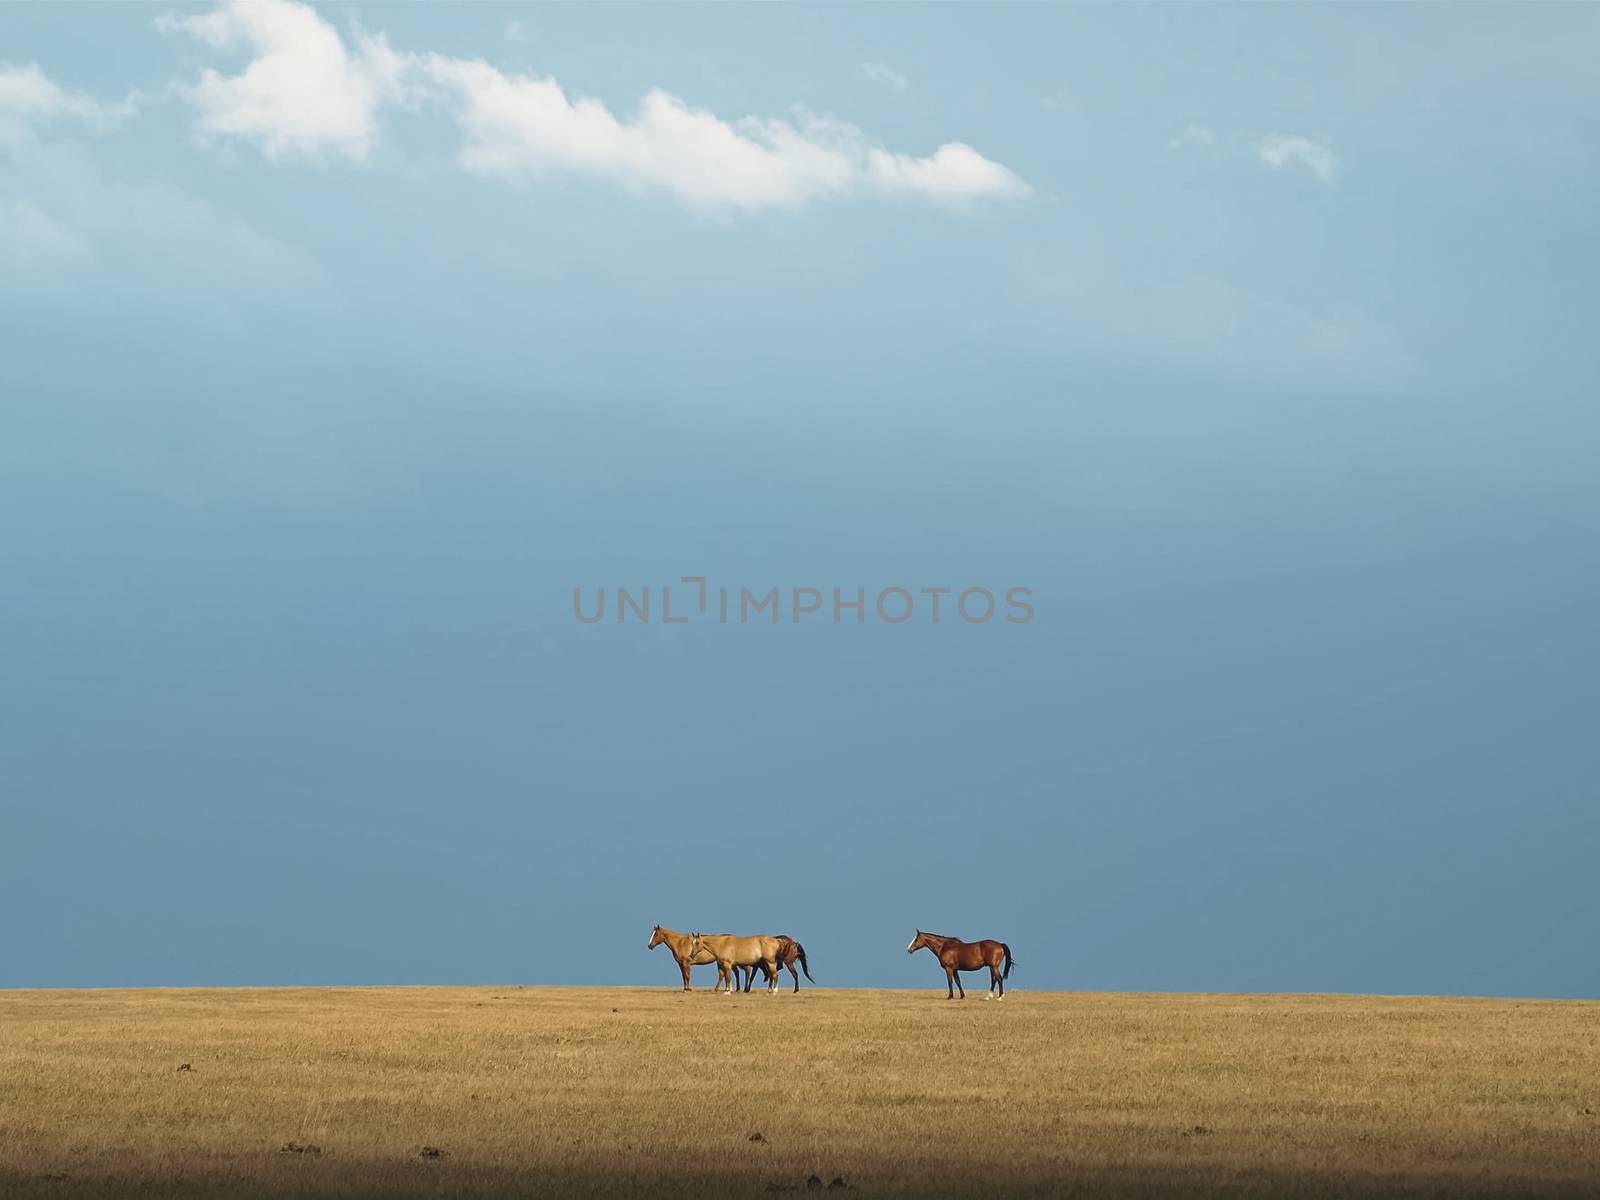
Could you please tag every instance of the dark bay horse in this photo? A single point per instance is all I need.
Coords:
(789, 953)
(956, 956)
(687, 955)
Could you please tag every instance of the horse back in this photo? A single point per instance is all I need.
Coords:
(741, 951)
(993, 952)
(969, 956)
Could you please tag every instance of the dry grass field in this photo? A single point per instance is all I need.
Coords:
(548, 1091)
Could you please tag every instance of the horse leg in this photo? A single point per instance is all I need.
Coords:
(796, 975)
(957, 973)
(683, 965)
(950, 983)
(999, 980)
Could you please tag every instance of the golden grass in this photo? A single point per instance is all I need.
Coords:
(628, 1090)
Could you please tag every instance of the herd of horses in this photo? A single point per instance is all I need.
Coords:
(739, 958)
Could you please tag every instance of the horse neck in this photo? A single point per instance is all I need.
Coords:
(936, 943)
(677, 942)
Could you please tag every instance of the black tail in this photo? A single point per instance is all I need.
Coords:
(800, 953)
(1010, 962)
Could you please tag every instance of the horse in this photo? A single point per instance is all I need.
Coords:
(789, 952)
(679, 946)
(956, 956)
(731, 952)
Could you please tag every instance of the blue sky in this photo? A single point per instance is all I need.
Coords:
(338, 345)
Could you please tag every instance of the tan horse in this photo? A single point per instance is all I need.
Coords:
(679, 946)
(789, 953)
(732, 952)
(956, 956)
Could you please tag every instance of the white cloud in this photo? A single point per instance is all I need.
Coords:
(515, 31)
(518, 126)
(954, 172)
(1283, 150)
(1194, 137)
(883, 73)
(303, 92)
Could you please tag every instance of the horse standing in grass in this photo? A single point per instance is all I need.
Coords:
(956, 956)
(679, 944)
(789, 953)
(734, 952)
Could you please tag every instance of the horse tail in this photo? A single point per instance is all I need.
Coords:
(1010, 962)
(800, 953)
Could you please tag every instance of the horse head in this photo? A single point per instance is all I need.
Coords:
(656, 938)
(917, 942)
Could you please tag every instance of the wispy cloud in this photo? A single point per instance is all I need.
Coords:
(880, 72)
(67, 218)
(1291, 150)
(515, 32)
(1194, 137)
(305, 92)
(26, 91)
(28, 95)
(63, 217)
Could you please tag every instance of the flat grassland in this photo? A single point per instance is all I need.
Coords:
(616, 1091)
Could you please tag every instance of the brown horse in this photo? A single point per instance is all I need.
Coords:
(680, 946)
(789, 952)
(731, 952)
(956, 956)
